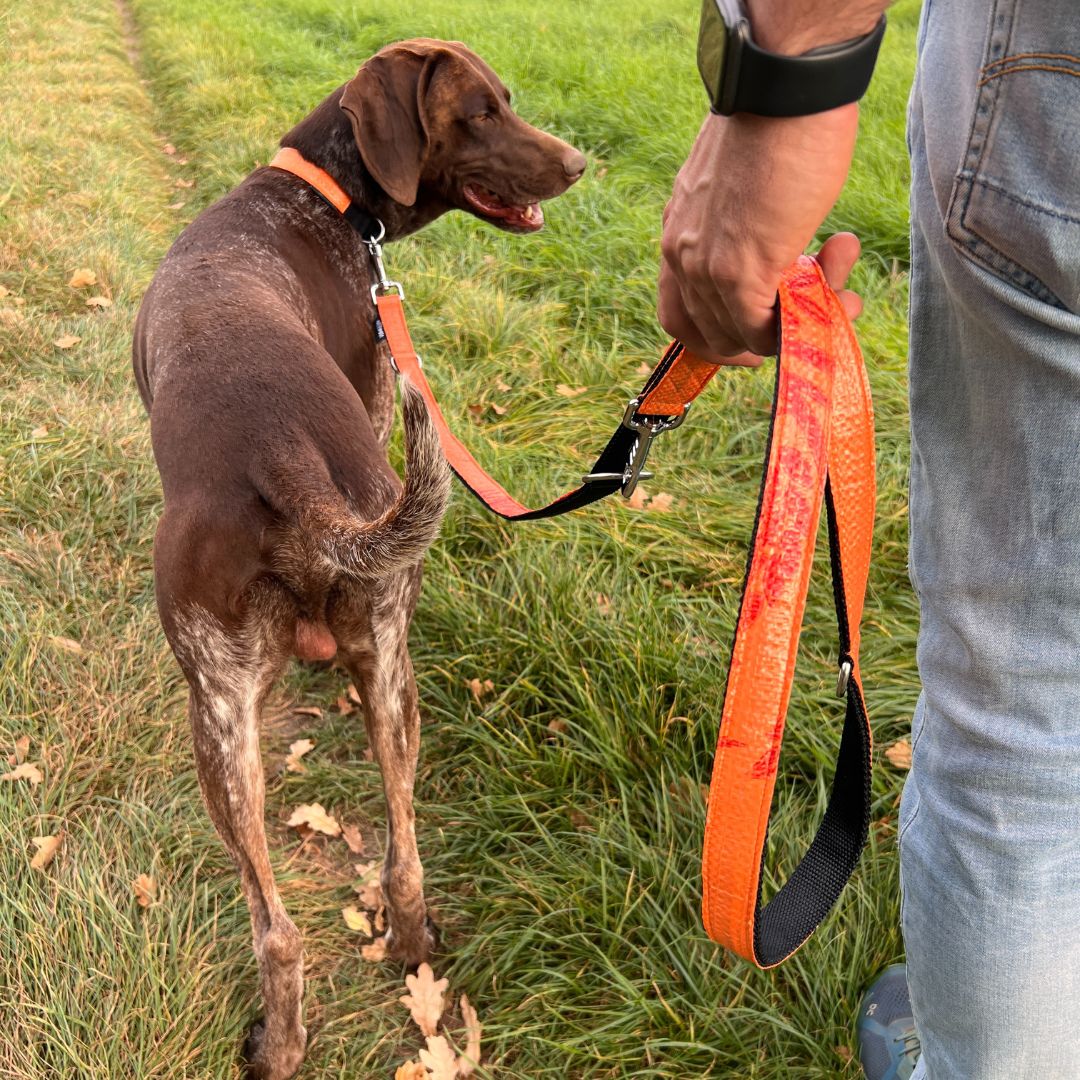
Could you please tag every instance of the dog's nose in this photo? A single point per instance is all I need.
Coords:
(574, 165)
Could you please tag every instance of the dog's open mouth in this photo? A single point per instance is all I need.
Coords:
(488, 205)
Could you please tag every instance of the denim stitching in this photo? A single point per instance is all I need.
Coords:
(956, 226)
(1025, 202)
(1030, 67)
(1029, 56)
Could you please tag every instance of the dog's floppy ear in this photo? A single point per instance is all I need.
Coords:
(385, 102)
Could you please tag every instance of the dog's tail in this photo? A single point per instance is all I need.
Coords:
(400, 536)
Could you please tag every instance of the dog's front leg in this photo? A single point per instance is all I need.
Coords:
(224, 710)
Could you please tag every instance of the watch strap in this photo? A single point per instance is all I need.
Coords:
(769, 84)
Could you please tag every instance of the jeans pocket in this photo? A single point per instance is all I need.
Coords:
(1015, 203)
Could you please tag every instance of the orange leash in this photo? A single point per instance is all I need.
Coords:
(821, 448)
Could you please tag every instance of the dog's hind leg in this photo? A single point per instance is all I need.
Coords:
(375, 649)
(229, 675)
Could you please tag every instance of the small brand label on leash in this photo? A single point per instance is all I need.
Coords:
(380, 333)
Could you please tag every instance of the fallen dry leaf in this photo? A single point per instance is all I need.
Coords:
(82, 277)
(169, 149)
(471, 1058)
(67, 644)
(185, 183)
(344, 706)
(370, 894)
(644, 369)
(380, 920)
(661, 502)
(39, 432)
(296, 751)
(352, 837)
(899, 754)
(569, 391)
(99, 302)
(353, 695)
(500, 385)
(637, 499)
(308, 710)
(557, 726)
(47, 847)
(355, 919)
(67, 341)
(4, 291)
(425, 1002)
(375, 952)
(439, 1059)
(498, 410)
(411, 1070)
(22, 748)
(314, 817)
(145, 888)
(603, 603)
(176, 205)
(480, 689)
(25, 771)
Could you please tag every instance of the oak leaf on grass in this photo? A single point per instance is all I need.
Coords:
(425, 1000)
(82, 277)
(314, 817)
(67, 341)
(25, 771)
(351, 835)
(47, 847)
(471, 1058)
(375, 952)
(439, 1058)
(296, 751)
(411, 1070)
(899, 754)
(145, 889)
(355, 919)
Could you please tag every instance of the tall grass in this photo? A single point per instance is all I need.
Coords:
(562, 860)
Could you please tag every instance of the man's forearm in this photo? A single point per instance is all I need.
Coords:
(792, 27)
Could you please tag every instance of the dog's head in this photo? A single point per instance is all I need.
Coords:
(430, 116)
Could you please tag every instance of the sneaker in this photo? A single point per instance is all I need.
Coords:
(888, 1045)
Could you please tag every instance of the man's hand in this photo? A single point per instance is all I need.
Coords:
(746, 203)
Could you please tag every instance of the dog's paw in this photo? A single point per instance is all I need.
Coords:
(415, 949)
(262, 1064)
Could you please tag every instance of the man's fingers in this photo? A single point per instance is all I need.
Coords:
(852, 303)
(698, 325)
(837, 256)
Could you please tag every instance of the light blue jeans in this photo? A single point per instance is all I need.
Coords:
(990, 818)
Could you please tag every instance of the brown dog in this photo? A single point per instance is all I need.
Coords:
(285, 531)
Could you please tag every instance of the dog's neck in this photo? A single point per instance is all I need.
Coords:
(325, 138)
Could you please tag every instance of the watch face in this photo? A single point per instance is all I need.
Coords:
(712, 44)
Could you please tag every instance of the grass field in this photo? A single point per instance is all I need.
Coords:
(562, 861)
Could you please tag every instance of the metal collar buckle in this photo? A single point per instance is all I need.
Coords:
(647, 427)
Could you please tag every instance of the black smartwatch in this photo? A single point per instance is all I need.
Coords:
(741, 77)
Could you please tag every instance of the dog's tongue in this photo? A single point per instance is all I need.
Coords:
(490, 205)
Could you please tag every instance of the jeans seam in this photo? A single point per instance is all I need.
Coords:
(1027, 203)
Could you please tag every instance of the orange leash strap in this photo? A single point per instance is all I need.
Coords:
(660, 406)
(821, 446)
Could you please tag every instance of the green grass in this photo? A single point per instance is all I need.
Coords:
(562, 866)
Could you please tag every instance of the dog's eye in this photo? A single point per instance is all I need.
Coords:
(484, 117)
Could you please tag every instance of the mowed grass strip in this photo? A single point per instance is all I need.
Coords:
(560, 815)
